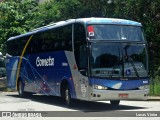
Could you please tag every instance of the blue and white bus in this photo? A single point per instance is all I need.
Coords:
(88, 59)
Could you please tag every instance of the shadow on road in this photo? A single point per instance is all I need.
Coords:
(78, 105)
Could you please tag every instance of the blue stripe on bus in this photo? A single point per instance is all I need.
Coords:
(119, 84)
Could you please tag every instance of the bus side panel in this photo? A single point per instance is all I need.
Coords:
(43, 73)
(80, 83)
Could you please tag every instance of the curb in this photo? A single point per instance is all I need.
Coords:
(152, 98)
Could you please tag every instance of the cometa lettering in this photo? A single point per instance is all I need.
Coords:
(44, 62)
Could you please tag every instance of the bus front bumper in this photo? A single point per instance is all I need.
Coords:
(98, 95)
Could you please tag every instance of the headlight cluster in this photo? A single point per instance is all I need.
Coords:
(144, 87)
(99, 87)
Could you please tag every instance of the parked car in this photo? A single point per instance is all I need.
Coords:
(3, 81)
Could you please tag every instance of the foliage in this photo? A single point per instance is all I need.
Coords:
(20, 16)
(16, 17)
(155, 86)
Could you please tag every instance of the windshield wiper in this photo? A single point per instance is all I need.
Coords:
(129, 59)
(133, 65)
(117, 62)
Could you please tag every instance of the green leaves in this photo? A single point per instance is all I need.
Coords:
(16, 17)
(20, 16)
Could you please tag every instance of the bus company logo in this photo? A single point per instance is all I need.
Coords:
(21, 114)
(44, 62)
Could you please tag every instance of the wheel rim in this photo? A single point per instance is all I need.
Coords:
(67, 96)
(20, 88)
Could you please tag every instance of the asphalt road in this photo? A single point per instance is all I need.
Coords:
(10, 101)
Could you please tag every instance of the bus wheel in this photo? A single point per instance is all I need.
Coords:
(115, 102)
(67, 96)
(20, 88)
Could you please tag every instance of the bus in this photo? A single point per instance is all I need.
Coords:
(90, 59)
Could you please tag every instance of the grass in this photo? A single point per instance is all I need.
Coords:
(155, 90)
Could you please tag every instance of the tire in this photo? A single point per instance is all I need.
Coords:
(21, 88)
(115, 102)
(67, 96)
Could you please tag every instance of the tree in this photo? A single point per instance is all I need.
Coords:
(20, 16)
(16, 17)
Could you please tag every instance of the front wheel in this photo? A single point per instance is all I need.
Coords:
(115, 102)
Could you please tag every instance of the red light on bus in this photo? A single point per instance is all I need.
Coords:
(90, 29)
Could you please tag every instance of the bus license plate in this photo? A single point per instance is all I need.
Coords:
(123, 95)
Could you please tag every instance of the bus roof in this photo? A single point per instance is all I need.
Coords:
(85, 21)
(108, 21)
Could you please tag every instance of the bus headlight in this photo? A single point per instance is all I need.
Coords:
(144, 87)
(99, 87)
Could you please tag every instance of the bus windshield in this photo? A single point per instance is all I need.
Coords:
(118, 60)
(115, 32)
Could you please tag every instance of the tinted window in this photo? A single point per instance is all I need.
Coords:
(52, 40)
(115, 32)
(118, 60)
(15, 47)
(80, 46)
